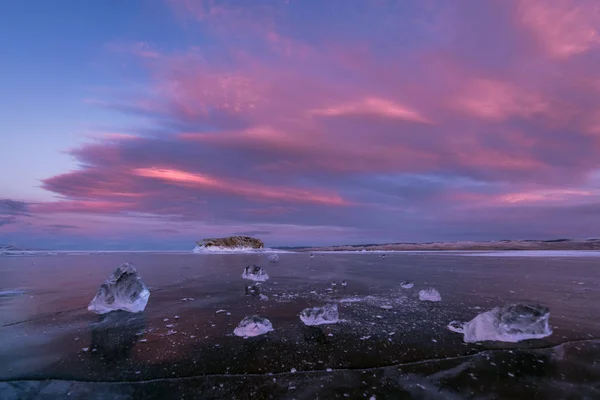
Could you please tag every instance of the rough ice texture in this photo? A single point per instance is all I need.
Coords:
(328, 314)
(253, 326)
(407, 285)
(430, 295)
(255, 273)
(273, 257)
(511, 323)
(123, 290)
(233, 242)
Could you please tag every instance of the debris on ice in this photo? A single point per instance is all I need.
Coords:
(328, 314)
(253, 325)
(407, 285)
(430, 295)
(255, 273)
(511, 323)
(123, 290)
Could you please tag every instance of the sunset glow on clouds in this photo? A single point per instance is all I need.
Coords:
(334, 122)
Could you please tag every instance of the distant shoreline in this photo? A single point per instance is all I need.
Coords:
(556, 244)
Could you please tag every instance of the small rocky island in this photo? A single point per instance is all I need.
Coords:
(230, 242)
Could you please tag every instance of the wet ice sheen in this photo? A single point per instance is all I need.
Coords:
(328, 314)
(255, 273)
(123, 290)
(430, 295)
(511, 323)
(253, 325)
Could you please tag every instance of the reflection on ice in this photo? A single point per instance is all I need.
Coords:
(328, 314)
(255, 273)
(430, 295)
(115, 334)
(253, 326)
(123, 290)
(512, 323)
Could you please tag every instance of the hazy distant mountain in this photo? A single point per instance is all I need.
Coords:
(554, 244)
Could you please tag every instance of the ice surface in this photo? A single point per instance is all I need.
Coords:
(253, 326)
(511, 323)
(255, 273)
(123, 290)
(407, 285)
(430, 295)
(534, 253)
(328, 314)
(273, 257)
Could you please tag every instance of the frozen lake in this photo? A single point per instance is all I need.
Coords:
(387, 343)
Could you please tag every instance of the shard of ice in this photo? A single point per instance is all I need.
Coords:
(273, 257)
(123, 290)
(511, 323)
(253, 326)
(407, 285)
(255, 273)
(430, 295)
(253, 290)
(328, 314)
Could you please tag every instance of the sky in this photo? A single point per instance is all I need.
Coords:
(153, 124)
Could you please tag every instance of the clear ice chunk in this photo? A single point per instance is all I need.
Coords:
(123, 290)
(407, 285)
(430, 295)
(273, 258)
(253, 290)
(328, 314)
(255, 273)
(253, 326)
(511, 323)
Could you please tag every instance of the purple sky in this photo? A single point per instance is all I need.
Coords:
(152, 124)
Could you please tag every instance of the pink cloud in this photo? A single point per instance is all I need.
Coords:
(243, 189)
(563, 27)
(496, 100)
(372, 106)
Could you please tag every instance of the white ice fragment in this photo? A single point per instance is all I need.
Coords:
(328, 314)
(430, 295)
(255, 273)
(273, 257)
(344, 283)
(328, 370)
(333, 284)
(85, 349)
(169, 325)
(263, 297)
(220, 311)
(143, 340)
(123, 290)
(293, 370)
(253, 326)
(407, 285)
(165, 320)
(171, 332)
(138, 372)
(386, 307)
(365, 337)
(177, 317)
(511, 323)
